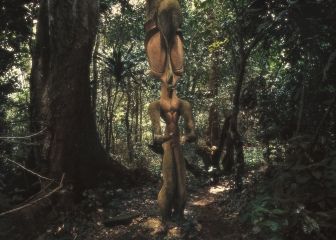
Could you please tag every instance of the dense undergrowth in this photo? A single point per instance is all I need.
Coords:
(291, 201)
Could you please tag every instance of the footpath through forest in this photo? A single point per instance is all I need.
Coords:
(133, 214)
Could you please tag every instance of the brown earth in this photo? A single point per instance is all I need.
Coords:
(133, 214)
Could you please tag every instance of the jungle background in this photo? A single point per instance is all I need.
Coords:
(76, 140)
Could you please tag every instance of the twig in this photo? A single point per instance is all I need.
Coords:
(26, 169)
(36, 195)
(24, 136)
(37, 200)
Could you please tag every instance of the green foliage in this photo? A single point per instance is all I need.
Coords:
(216, 45)
(254, 157)
(298, 203)
(15, 30)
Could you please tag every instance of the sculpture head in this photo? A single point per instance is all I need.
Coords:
(163, 41)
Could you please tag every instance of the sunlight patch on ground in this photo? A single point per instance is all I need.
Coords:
(203, 202)
(218, 189)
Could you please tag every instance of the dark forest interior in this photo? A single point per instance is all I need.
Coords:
(78, 155)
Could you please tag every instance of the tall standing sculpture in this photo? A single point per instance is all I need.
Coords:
(163, 45)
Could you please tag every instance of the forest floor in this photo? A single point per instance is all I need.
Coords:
(132, 213)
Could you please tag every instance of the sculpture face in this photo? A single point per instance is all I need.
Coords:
(163, 40)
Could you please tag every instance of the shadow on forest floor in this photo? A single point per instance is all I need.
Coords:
(210, 215)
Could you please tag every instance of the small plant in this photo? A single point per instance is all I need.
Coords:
(298, 203)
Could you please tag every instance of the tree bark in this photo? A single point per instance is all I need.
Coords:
(108, 116)
(214, 128)
(236, 138)
(128, 127)
(238, 144)
(304, 76)
(95, 78)
(223, 136)
(60, 92)
(228, 160)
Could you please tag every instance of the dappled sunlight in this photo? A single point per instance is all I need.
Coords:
(203, 202)
(218, 189)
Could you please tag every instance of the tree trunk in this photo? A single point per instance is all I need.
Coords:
(304, 76)
(214, 128)
(223, 136)
(136, 113)
(236, 138)
(140, 104)
(237, 141)
(228, 160)
(128, 128)
(95, 78)
(108, 116)
(60, 92)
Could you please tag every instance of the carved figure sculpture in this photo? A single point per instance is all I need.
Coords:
(163, 45)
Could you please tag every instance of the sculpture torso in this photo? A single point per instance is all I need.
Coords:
(170, 114)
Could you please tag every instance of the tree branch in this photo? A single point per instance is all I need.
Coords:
(37, 200)
(26, 169)
(24, 136)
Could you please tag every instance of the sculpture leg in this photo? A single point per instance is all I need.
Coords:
(167, 192)
(180, 197)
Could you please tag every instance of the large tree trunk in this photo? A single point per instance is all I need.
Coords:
(60, 92)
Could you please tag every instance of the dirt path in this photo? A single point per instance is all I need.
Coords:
(210, 213)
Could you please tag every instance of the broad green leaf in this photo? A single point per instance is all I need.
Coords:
(245, 24)
(299, 167)
(256, 229)
(292, 2)
(257, 220)
(278, 211)
(322, 204)
(311, 222)
(261, 209)
(317, 173)
(302, 178)
(271, 224)
(243, 218)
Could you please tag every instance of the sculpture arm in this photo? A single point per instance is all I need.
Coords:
(186, 113)
(154, 114)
